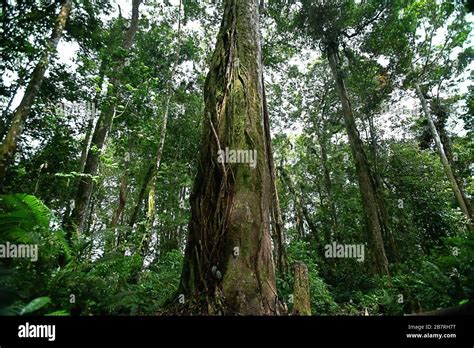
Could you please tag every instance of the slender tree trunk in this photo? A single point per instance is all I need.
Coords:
(159, 151)
(367, 184)
(141, 196)
(152, 191)
(445, 141)
(123, 190)
(444, 160)
(90, 123)
(90, 218)
(122, 200)
(228, 265)
(388, 238)
(7, 117)
(137, 207)
(86, 181)
(103, 126)
(8, 147)
(277, 221)
(327, 177)
(299, 204)
(85, 144)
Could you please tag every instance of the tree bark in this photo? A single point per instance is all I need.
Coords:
(85, 144)
(141, 196)
(7, 117)
(301, 297)
(444, 160)
(367, 183)
(102, 128)
(116, 238)
(228, 266)
(90, 123)
(123, 190)
(388, 237)
(8, 147)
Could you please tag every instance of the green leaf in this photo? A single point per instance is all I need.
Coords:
(61, 312)
(36, 304)
(20, 214)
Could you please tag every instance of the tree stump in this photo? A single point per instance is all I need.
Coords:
(301, 299)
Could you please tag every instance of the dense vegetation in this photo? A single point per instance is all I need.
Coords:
(104, 127)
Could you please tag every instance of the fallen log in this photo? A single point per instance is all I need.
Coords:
(465, 309)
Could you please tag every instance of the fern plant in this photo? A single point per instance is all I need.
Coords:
(26, 219)
(20, 214)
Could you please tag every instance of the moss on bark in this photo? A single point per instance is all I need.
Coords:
(230, 202)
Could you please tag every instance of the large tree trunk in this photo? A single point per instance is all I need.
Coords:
(460, 197)
(367, 183)
(228, 265)
(8, 147)
(102, 128)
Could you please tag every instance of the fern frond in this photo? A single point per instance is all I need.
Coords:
(20, 214)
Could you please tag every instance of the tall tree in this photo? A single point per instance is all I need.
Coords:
(161, 144)
(429, 66)
(102, 128)
(330, 23)
(228, 266)
(8, 147)
(458, 193)
(367, 182)
(433, 56)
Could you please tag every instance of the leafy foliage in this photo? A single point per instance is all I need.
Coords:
(385, 48)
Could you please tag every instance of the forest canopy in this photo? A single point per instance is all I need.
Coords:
(236, 157)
